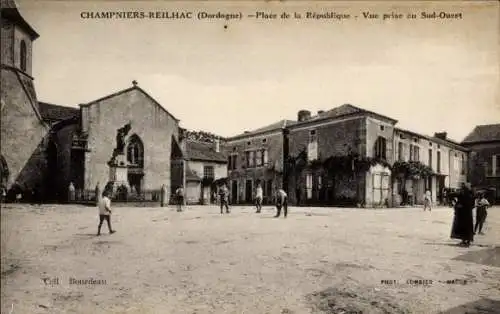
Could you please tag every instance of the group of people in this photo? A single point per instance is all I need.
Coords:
(223, 191)
(464, 202)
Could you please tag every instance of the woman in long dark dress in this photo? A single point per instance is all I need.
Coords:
(463, 222)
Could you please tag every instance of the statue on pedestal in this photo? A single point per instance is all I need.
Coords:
(120, 141)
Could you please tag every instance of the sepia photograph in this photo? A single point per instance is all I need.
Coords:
(267, 157)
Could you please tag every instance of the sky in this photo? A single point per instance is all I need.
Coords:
(431, 75)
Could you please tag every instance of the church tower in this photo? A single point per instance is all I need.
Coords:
(17, 38)
(23, 131)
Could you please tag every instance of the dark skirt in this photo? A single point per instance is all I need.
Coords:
(481, 214)
(463, 226)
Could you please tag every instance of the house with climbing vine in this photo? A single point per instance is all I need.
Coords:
(349, 156)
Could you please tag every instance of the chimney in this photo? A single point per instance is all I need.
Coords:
(217, 145)
(303, 115)
(441, 135)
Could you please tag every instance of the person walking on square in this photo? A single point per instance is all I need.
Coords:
(281, 202)
(224, 195)
(104, 206)
(179, 194)
(463, 222)
(481, 205)
(427, 200)
(259, 195)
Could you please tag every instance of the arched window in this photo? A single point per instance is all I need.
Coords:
(135, 151)
(23, 55)
(380, 149)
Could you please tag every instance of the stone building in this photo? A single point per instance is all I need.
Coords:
(49, 147)
(255, 157)
(446, 158)
(484, 167)
(324, 149)
(344, 156)
(206, 165)
(23, 130)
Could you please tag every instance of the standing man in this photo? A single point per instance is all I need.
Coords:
(481, 205)
(104, 206)
(259, 195)
(281, 202)
(427, 200)
(179, 194)
(224, 195)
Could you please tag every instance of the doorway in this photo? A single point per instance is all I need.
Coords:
(135, 182)
(234, 192)
(248, 191)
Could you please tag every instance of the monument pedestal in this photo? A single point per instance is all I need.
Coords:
(118, 178)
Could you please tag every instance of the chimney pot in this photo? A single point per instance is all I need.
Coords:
(217, 145)
(303, 115)
(441, 135)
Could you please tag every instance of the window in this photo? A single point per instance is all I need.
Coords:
(247, 159)
(231, 163)
(400, 151)
(380, 148)
(464, 165)
(249, 143)
(312, 146)
(430, 158)
(208, 172)
(265, 157)
(495, 169)
(135, 151)
(309, 183)
(414, 153)
(258, 158)
(382, 128)
(23, 55)
(251, 159)
(269, 188)
(264, 140)
(438, 167)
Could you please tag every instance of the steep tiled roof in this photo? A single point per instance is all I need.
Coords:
(483, 133)
(447, 142)
(204, 152)
(51, 112)
(275, 126)
(344, 110)
(10, 12)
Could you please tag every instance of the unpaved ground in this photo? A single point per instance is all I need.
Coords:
(318, 260)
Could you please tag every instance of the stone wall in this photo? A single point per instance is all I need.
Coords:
(480, 168)
(68, 165)
(154, 126)
(273, 142)
(23, 133)
(7, 41)
(335, 137)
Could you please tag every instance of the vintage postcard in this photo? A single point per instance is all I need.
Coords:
(250, 156)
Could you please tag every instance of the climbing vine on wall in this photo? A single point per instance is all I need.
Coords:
(411, 169)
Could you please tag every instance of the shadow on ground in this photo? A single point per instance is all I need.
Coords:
(487, 257)
(334, 300)
(481, 306)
